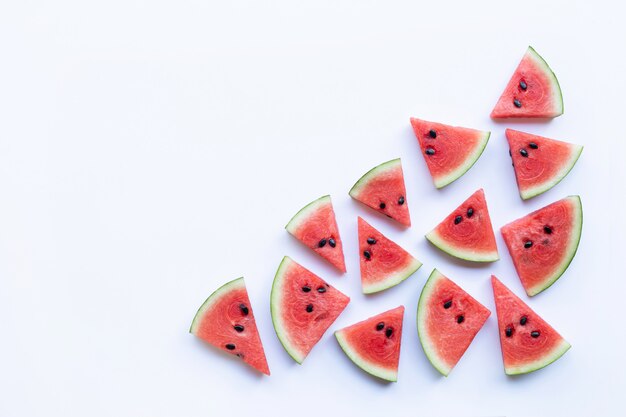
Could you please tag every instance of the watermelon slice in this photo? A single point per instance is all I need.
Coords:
(303, 307)
(533, 91)
(449, 151)
(316, 227)
(226, 321)
(467, 233)
(528, 342)
(543, 243)
(540, 163)
(382, 188)
(374, 344)
(448, 319)
(383, 262)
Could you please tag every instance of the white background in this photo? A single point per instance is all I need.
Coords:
(152, 150)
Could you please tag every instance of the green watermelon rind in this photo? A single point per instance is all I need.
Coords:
(422, 318)
(367, 366)
(394, 279)
(569, 254)
(467, 255)
(305, 212)
(551, 182)
(213, 299)
(556, 87)
(469, 162)
(362, 183)
(555, 354)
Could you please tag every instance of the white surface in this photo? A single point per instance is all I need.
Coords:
(151, 150)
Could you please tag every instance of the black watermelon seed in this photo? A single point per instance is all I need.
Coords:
(517, 103)
(230, 346)
(321, 243)
(430, 151)
(447, 304)
(510, 154)
(371, 240)
(238, 327)
(401, 200)
(533, 145)
(523, 85)
(306, 288)
(309, 308)
(523, 153)
(458, 219)
(508, 331)
(432, 133)
(332, 242)
(534, 334)
(470, 212)
(321, 290)
(239, 355)
(244, 309)
(380, 326)
(367, 254)
(389, 332)
(523, 320)
(382, 206)
(460, 319)
(547, 230)
(528, 244)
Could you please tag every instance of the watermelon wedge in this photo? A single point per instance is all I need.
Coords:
(448, 319)
(532, 91)
(528, 342)
(382, 188)
(383, 262)
(303, 307)
(467, 232)
(543, 243)
(225, 320)
(540, 163)
(316, 227)
(449, 151)
(374, 344)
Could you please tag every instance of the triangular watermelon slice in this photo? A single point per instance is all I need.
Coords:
(533, 91)
(383, 262)
(315, 226)
(543, 243)
(226, 321)
(448, 319)
(467, 232)
(528, 342)
(382, 188)
(374, 344)
(449, 151)
(303, 306)
(540, 163)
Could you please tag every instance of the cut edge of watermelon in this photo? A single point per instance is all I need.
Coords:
(469, 162)
(276, 313)
(555, 354)
(555, 86)
(395, 279)
(551, 182)
(214, 298)
(356, 189)
(427, 345)
(304, 213)
(571, 249)
(468, 255)
(361, 362)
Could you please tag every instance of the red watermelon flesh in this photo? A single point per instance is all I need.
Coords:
(448, 319)
(540, 163)
(467, 232)
(374, 344)
(449, 151)
(383, 262)
(532, 91)
(226, 320)
(528, 342)
(303, 306)
(316, 227)
(382, 188)
(543, 243)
